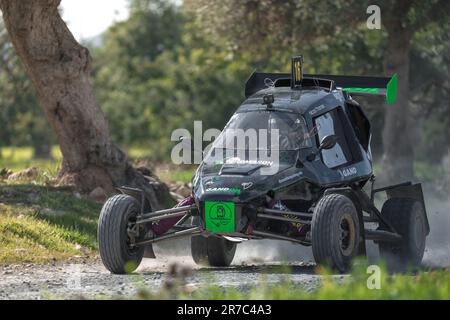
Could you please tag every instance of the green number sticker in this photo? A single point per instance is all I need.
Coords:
(219, 216)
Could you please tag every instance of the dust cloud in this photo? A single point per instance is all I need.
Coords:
(253, 252)
(437, 252)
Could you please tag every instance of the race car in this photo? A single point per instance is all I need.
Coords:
(307, 185)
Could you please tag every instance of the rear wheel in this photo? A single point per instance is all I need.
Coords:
(335, 232)
(407, 216)
(116, 224)
(212, 251)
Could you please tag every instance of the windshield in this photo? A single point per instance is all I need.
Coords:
(264, 130)
(261, 138)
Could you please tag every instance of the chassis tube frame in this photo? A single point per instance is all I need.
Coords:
(176, 234)
(273, 217)
(165, 214)
(269, 235)
(283, 212)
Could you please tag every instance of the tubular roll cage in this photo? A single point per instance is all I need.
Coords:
(362, 201)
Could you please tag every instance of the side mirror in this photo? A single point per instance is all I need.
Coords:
(328, 142)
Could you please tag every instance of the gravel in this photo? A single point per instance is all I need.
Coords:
(91, 280)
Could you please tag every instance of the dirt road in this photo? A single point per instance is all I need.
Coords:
(92, 280)
(253, 261)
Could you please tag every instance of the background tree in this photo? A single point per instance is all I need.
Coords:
(59, 69)
(295, 24)
(166, 66)
(21, 122)
(150, 88)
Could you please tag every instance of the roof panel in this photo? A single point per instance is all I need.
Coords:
(287, 98)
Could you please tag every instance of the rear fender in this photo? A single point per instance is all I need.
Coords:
(406, 190)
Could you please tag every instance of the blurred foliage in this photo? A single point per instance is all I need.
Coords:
(150, 89)
(166, 66)
(334, 33)
(430, 78)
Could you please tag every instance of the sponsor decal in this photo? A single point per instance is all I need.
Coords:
(347, 172)
(317, 109)
(265, 163)
(219, 216)
(247, 185)
(293, 176)
(224, 189)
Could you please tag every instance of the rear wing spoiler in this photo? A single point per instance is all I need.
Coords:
(367, 86)
(355, 85)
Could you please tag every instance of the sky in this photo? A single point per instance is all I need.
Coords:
(89, 18)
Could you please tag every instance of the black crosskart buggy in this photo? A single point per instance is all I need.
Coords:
(315, 197)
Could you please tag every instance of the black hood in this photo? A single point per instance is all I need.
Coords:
(240, 181)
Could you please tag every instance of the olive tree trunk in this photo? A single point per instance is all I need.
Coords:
(398, 156)
(59, 68)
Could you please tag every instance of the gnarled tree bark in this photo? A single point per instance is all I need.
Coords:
(59, 68)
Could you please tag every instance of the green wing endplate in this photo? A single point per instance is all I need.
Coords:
(389, 89)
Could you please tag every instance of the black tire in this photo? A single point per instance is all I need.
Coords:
(335, 232)
(112, 236)
(407, 216)
(212, 251)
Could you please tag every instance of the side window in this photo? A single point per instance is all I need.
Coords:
(328, 124)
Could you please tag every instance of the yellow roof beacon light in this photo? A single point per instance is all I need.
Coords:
(297, 72)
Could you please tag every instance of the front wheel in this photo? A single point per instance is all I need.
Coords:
(212, 251)
(117, 221)
(335, 232)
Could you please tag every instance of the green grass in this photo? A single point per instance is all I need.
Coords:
(19, 158)
(183, 173)
(137, 152)
(42, 224)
